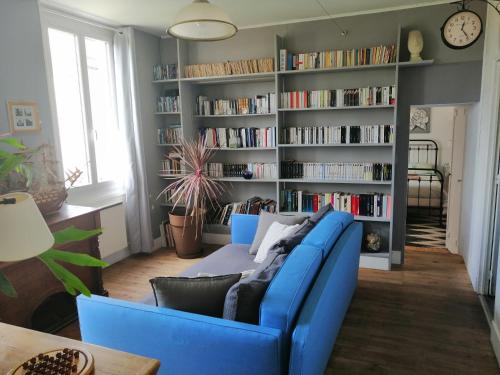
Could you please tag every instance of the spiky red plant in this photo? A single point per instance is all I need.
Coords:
(194, 188)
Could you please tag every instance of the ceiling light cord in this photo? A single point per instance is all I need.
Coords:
(343, 32)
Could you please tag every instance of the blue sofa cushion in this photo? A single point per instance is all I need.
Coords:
(326, 305)
(328, 230)
(283, 299)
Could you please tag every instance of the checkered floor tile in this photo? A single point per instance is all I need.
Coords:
(425, 231)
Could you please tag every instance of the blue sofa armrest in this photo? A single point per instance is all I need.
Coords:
(184, 343)
(243, 228)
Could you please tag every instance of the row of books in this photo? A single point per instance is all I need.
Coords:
(259, 104)
(172, 164)
(339, 134)
(166, 198)
(337, 58)
(168, 104)
(364, 96)
(252, 206)
(259, 170)
(170, 135)
(262, 65)
(371, 205)
(239, 137)
(164, 71)
(336, 171)
(166, 234)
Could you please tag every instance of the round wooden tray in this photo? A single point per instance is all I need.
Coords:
(84, 363)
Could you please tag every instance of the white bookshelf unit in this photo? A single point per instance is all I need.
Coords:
(246, 85)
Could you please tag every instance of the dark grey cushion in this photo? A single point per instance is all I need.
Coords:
(289, 242)
(200, 295)
(265, 221)
(243, 298)
(320, 213)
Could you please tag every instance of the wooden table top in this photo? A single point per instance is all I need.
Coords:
(19, 344)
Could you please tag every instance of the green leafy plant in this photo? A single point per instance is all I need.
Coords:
(16, 161)
(52, 258)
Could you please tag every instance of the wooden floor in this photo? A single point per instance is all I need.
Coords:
(421, 318)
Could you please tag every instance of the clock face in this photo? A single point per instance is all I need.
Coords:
(462, 29)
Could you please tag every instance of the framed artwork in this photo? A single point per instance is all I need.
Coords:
(23, 116)
(420, 120)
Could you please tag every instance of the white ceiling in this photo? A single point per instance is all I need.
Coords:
(155, 15)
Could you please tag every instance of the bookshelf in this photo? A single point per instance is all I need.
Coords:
(247, 85)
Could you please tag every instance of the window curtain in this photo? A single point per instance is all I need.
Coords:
(137, 210)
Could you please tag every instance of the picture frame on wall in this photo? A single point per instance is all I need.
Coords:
(420, 120)
(24, 116)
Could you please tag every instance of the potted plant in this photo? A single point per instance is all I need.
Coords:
(196, 191)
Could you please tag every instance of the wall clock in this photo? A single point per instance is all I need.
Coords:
(462, 29)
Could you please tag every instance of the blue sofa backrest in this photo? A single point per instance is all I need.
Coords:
(327, 231)
(324, 308)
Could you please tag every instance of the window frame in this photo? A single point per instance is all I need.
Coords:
(81, 29)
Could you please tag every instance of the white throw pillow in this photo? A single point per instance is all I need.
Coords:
(275, 233)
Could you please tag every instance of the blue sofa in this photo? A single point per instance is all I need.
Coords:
(300, 314)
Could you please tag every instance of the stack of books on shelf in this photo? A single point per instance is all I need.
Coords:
(259, 170)
(169, 102)
(239, 137)
(253, 206)
(166, 198)
(164, 71)
(364, 96)
(170, 135)
(172, 165)
(166, 234)
(350, 171)
(337, 58)
(263, 65)
(259, 104)
(339, 134)
(371, 205)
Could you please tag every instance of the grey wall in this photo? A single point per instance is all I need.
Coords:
(22, 65)
(147, 51)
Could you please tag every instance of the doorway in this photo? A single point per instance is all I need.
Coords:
(436, 160)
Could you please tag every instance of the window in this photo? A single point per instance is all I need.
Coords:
(81, 62)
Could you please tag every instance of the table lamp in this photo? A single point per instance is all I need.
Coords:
(23, 231)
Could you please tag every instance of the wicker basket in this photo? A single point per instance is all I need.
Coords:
(50, 201)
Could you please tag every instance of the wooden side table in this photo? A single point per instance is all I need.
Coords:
(19, 344)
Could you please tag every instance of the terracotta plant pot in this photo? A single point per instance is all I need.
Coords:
(186, 231)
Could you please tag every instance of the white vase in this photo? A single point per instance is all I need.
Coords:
(415, 45)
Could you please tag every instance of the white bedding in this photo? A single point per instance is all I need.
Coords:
(422, 191)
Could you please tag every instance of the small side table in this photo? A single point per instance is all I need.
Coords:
(19, 344)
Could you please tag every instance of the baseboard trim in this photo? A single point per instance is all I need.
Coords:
(495, 340)
(396, 257)
(117, 256)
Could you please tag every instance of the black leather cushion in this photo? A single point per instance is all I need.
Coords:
(200, 295)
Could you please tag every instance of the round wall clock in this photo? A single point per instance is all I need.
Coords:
(462, 29)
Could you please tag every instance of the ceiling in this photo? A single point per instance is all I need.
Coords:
(155, 15)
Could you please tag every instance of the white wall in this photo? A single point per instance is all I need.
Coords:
(467, 249)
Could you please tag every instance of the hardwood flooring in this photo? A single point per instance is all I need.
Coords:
(421, 318)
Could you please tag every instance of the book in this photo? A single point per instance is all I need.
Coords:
(170, 135)
(337, 134)
(164, 71)
(259, 104)
(259, 170)
(227, 68)
(353, 171)
(238, 137)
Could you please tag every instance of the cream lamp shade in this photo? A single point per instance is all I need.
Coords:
(23, 230)
(202, 21)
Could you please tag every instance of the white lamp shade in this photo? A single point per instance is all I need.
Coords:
(202, 21)
(23, 230)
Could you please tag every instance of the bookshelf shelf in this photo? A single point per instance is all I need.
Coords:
(169, 144)
(357, 218)
(337, 145)
(391, 106)
(167, 113)
(172, 205)
(413, 64)
(234, 78)
(247, 115)
(163, 81)
(241, 179)
(169, 176)
(347, 182)
(339, 69)
(243, 149)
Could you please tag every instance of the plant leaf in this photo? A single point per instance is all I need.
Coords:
(70, 281)
(13, 142)
(72, 234)
(6, 287)
(78, 259)
(9, 164)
